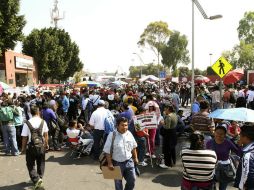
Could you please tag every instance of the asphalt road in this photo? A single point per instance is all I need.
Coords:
(65, 173)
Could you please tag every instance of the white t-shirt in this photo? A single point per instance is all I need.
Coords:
(35, 122)
(98, 117)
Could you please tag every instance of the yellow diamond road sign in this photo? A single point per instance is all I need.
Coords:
(221, 67)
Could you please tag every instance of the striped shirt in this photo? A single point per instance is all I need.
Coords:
(199, 165)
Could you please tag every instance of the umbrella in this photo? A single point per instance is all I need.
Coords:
(4, 85)
(149, 78)
(201, 79)
(87, 83)
(233, 76)
(236, 114)
(119, 82)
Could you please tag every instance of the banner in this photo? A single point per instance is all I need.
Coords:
(148, 120)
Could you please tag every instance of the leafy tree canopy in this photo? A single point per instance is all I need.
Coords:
(11, 24)
(175, 51)
(246, 28)
(149, 69)
(54, 52)
(155, 35)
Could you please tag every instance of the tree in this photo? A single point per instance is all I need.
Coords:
(209, 71)
(175, 51)
(54, 52)
(11, 24)
(78, 76)
(155, 35)
(184, 72)
(246, 28)
(149, 69)
(246, 58)
(198, 72)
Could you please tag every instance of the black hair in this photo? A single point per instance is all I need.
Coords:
(248, 131)
(221, 126)
(34, 109)
(72, 123)
(170, 107)
(197, 141)
(204, 104)
(121, 119)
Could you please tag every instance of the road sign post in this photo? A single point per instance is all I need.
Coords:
(221, 67)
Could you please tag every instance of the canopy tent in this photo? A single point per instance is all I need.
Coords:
(4, 85)
(149, 78)
(88, 83)
(233, 76)
(201, 79)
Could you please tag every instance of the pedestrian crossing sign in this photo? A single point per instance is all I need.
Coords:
(221, 67)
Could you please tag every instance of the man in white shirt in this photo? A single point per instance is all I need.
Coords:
(97, 123)
(124, 154)
(31, 158)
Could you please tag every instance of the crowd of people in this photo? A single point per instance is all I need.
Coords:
(77, 117)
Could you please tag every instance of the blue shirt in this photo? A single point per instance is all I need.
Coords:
(195, 108)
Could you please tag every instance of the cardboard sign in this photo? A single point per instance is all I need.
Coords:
(112, 174)
(148, 120)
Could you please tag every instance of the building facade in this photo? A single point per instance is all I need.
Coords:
(18, 70)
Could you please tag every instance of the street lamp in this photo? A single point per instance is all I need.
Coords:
(210, 59)
(201, 10)
(141, 62)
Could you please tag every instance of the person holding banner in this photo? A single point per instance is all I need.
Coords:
(152, 107)
(168, 132)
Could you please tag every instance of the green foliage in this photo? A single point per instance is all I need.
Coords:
(198, 72)
(184, 72)
(155, 35)
(209, 71)
(246, 52)
(150, 69)
(246, 28)
(78, 76)
(175, 73)
(175, 51)
(54, 52)
(11, 24)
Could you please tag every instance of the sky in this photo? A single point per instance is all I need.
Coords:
(107, 31)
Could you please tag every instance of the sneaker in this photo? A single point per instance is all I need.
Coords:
(163, 166)
(142, 163)
(153, 156)
(38, 184)
(147, 154)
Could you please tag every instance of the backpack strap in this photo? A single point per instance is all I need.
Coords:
(31, 128)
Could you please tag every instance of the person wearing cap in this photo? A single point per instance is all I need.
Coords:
(197, 173)
(222, 146)
(97, 123)
(245, 172)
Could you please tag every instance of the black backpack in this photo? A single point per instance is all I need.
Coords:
(36, 146)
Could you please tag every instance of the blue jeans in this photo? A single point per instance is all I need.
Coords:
(10, 142)
(128, 172)
(141, 141)
(223, 185)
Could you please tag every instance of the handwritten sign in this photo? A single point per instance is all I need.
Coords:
(148, 120)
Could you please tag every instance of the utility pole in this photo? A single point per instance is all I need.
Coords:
(55, 16)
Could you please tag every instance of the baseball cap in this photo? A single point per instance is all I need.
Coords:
(101, 102)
